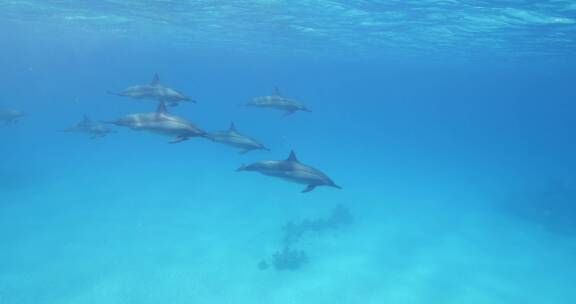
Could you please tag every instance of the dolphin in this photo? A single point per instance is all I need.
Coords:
(10, 116)
(96, 129)
(233, 138)
(155, 91)
(278, 102)
(293, 170)
(161, 122)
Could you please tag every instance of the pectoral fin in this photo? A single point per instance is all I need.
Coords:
(179, 139)
(309, 188)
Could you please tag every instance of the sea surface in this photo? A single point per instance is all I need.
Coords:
(449, 124)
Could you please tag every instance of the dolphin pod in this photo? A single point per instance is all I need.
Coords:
(181, 129)
(292, 170)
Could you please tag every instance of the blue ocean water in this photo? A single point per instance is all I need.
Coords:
(448, 124)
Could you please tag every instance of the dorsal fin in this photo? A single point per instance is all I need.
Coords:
(156, 79)
(232, 128)
(276, 92)
(292, 157)
(161, 109)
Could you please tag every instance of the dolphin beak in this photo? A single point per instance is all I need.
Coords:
(242, 168)
(336, 186)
